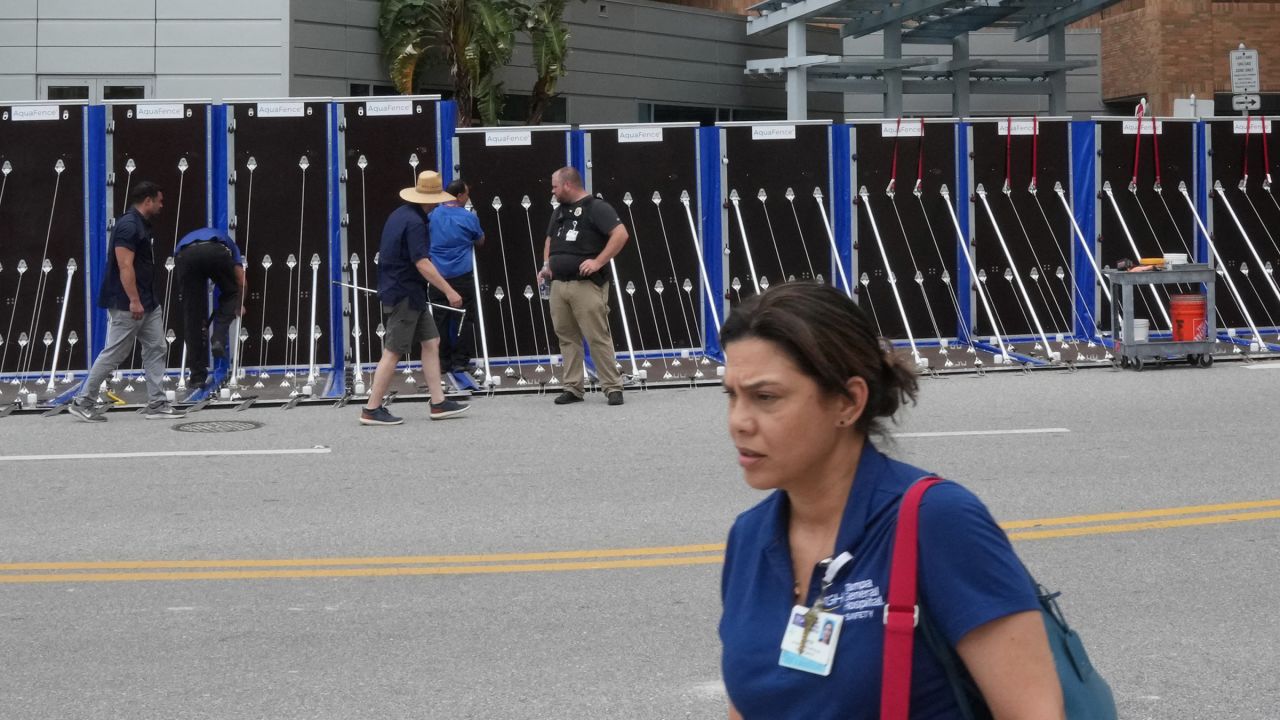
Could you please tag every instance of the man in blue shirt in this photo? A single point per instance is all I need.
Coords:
(455, 231)
(127, 293)
(404, 262)
(204, 255)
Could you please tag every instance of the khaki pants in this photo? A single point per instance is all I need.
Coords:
(580, 309)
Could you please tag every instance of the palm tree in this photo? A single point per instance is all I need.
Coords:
(474, 38)
(544, 21)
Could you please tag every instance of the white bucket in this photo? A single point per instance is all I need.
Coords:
(1141, 328)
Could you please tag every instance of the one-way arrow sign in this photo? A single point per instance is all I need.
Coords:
(1246, 102)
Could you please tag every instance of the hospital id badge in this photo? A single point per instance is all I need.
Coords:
(571, 236)
(810, 648)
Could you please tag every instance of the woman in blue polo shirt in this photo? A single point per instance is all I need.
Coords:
(809, 384)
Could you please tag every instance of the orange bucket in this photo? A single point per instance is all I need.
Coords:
(1189, 314)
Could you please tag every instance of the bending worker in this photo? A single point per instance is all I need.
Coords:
(207, 255)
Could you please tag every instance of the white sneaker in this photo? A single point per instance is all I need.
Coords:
(162, 411)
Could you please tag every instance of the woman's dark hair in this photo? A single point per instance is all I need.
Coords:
(830, 339)
(457, 187)
(143, 190)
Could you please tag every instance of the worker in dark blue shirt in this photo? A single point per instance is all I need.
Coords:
(808, 385)
(455, 233)
(127, 293)
(404, 269)
(203, 256)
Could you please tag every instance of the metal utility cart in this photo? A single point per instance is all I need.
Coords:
(1197, 352)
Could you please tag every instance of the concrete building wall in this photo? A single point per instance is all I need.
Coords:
(175, 48)
(622, 53)
(646, 52)
(334, 43)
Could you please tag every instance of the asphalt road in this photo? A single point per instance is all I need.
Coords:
(535, 561)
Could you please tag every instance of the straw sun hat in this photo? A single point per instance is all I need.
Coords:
(428, 190)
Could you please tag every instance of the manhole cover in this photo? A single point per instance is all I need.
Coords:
(217, 426)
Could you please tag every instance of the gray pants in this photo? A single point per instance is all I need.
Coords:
(120, 336)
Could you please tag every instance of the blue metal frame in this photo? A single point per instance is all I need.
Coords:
(841, 201)
(964, 324)
(337, 337)
(709, 205)
(577, 150)
(1202, 188)
(95, 193)
(446, 128)
(218, 187)
(1084, 207)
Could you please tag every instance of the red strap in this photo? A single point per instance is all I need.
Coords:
(1137, 147)
(902, 613)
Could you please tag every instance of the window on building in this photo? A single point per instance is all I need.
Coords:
(662, 113)
(515, 111)
(96, 89)
(67, 92)
(753, 115)
(124, 92)
(372, 89)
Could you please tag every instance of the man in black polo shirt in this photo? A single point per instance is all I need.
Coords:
(132, 309)
(206, 255)
(404, 261)
(584, 234)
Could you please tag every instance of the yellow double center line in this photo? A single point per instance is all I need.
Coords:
(561, 561)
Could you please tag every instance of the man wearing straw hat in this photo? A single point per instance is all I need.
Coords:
(404, 262)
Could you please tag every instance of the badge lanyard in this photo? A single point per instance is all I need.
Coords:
(819, 656)
(833, 567)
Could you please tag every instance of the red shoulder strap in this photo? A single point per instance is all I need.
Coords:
(902, 614)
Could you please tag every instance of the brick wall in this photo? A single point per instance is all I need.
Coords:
(1166, 49)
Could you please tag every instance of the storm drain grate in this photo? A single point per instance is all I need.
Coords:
(217, 426)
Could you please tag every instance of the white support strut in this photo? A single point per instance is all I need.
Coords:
(1026, 297)
(484, 341)
(62, 319)
(1217, 187)
(356, 332)
(622, 310)
(702, 265)
(1213, 247)
(1106, 188)
(751, 263)
(1097, 269)
(831, 238)
(973, 273)
(893, 280)
(315, 275)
